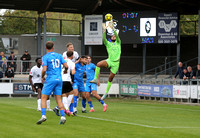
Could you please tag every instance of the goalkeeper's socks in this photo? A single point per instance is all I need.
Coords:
(90, 104)
(75, 101)
(84, 103)
(97, 70)
(108, 86)
(43, 111)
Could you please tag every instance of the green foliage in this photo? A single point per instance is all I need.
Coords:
(189, 24)
(27, 24)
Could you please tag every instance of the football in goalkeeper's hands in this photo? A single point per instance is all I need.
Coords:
(108, 17)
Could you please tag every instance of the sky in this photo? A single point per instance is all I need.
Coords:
(2, 11)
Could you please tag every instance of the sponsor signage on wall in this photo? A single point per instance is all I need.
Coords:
(128, 89)
(22, 88)
(167, 28)
(93, 29)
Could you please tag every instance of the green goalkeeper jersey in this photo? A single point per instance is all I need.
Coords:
(113, 49)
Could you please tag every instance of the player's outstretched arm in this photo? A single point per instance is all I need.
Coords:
(111, 25)
(104, 34)
(117, 36)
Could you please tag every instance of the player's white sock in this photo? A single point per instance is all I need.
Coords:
(104, 104)
(39, 103)
(48, 104)
(75, 109)
(83, 109)
(64, 100)
(69, 100)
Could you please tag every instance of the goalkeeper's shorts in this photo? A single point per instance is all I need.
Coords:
(113, 65)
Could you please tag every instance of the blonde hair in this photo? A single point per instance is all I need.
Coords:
(68, 44)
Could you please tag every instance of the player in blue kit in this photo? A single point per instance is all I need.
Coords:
(92, 87)
(78, 85)
(51, 63)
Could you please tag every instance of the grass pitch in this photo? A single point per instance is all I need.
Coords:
(124, 118)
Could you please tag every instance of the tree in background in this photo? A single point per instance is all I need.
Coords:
(189, 24)
(27, 24)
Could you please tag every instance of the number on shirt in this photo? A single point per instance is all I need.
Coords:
(55, 63)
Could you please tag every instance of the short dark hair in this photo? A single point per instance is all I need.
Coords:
(83, 57)
(37, 59)
(70, 53)
(68, 44)
(49, 45)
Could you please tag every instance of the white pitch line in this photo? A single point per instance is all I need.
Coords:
(169, 108)
(130, 123)
(127, 123)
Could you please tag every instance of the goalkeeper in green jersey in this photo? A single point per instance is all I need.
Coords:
(114, 53)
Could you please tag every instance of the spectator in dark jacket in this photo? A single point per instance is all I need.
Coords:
(25, 58)
(1, 75)
(198, 72)
(191, 72)
(185, 76)
(179, 71)
(12, 61)
(9, 73)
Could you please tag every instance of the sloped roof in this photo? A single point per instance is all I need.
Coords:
(100, 6)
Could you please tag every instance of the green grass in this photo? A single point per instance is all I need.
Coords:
(124, 118)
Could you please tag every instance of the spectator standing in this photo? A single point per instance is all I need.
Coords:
(179, 71)
(25, 58)
(3, 61)
(12, 61)
(9, 73)
(185, 76)
(198, 72)
(1, 75)
(190, 72)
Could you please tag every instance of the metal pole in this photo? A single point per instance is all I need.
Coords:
(39, 30)
(199, 39)
(82, 43)
(144, 58)
(178, 53)
(60, 27)
(45, 34)
(90, 51)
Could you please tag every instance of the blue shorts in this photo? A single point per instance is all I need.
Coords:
(79, 86)
(90, 87)
(54, 86)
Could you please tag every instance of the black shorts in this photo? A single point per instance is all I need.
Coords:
(67, 87)
(38, 86)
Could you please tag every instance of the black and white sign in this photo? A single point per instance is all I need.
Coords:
(147, 26)
(93, 29)
(167, 28)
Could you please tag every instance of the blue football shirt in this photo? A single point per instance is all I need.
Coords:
(80, 70)
(90, 71)
(53, 62)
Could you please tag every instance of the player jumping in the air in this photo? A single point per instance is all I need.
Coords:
(51, 63)
(92, 87)
(36, 83)
(114, 53)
